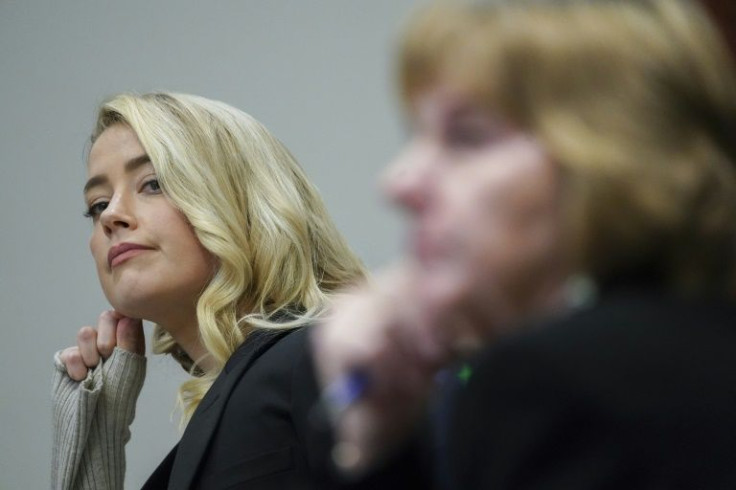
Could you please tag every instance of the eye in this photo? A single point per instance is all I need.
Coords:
(95, 209)
(472, 128)
(467, 136)
(152, 186)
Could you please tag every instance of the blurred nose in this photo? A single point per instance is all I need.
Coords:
(118, 214)
(408, 181)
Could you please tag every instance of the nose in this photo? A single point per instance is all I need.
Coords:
(117, 215)
(408, 181)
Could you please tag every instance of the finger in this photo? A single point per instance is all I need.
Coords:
(87, 343)
(130, 335)
(75, 367)
(106, 337)
(351, 454)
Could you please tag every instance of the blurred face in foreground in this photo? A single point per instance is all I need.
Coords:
(483, 202)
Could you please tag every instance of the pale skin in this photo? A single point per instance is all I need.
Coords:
(95, 344)
(150, 264)
(483, 204)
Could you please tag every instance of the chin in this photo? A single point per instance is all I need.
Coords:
(128, 310)
(130, 306)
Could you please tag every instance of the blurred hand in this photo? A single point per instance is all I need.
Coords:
(389, 333)
(95, 344)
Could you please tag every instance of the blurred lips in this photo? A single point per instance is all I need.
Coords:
(124, 251)
(424, 247)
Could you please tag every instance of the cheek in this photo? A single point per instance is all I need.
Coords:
(203, 261)
(188, 250)
(97, 247)
(473, 218)
(498, 238)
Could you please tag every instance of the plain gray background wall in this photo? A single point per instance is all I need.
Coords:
(318, 73)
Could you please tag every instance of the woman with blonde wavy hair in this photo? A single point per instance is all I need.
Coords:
(203, 223)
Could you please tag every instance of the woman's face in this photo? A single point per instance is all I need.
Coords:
(148, 259)
(483, 201)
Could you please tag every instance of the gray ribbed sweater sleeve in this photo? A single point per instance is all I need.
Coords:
(91, 420)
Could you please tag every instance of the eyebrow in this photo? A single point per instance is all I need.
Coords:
(130, 166)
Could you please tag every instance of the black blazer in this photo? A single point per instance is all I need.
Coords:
(253, 428)
(638, 392)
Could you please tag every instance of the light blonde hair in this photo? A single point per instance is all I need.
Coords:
(252, 207)
(634, 100)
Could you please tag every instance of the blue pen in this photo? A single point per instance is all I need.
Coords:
(336, 398)
(345, 391)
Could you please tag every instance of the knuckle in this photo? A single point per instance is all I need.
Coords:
(106, 347)
(86, 333)
(67, 353)
(106, 316)
(73, 357)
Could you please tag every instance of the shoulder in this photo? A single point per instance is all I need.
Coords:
(633, 344)
(258, 383)
(269, 360)
(643, 318)
(282, 348)
(256, 434)
(268, 346)
(641, 375)
(291, 342)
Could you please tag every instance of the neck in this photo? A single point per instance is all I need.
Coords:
(184, 329)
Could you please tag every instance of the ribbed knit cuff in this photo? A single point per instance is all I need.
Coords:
(91, 421)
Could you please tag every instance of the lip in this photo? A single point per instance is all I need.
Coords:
(429, 244)
(421, 246)
(124, 251)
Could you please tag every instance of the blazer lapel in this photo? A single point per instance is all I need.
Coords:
(195, 440)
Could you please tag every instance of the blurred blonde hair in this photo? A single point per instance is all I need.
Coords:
(252, 207)
(634, 100)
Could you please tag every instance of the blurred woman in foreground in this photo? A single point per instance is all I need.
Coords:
(557, 144)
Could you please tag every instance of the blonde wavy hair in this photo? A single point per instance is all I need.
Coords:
(634, 100)
(252, 207)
